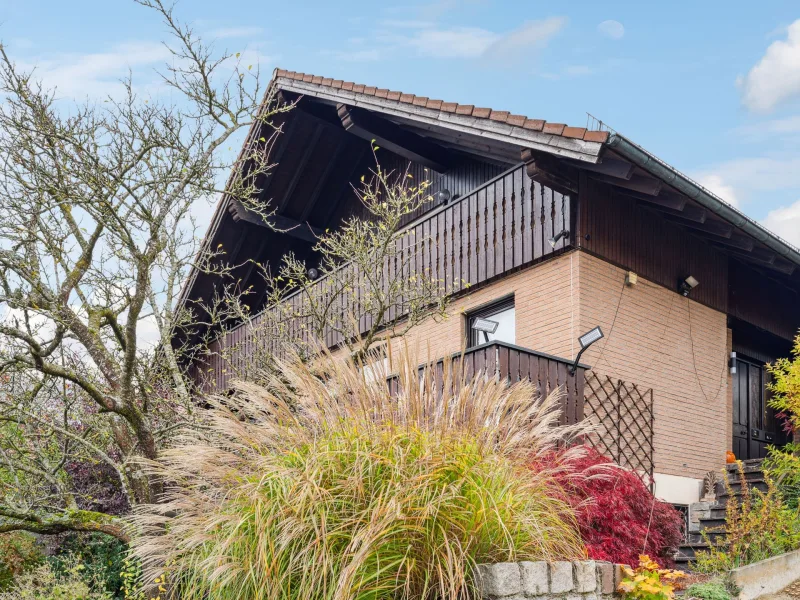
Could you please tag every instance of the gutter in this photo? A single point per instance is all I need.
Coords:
(658, 168)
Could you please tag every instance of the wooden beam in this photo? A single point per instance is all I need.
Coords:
(283, 141)
(637, 183)
(342, 180)
(613, 167)
(310, 146)
(717, 228)
(394, 138)
(737, 240)
(672, 201)
(782, 266)
(546, 170)
(695, 214)
(277, 223)
(311, 201)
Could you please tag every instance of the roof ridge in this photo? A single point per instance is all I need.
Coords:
(501, 116)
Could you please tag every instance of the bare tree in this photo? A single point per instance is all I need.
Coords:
(366, 286)
(96, 237)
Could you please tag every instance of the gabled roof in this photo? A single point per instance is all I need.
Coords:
(503, 136)
(467, 110)
(556, 138)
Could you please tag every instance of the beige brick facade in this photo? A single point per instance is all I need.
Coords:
(661, 340)
(654, 337)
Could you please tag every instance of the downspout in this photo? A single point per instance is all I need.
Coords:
(644, 160)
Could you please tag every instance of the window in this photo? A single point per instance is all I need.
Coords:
(493, 322)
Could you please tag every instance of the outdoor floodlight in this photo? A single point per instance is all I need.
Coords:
(486, 326)
(687, 285)
(554, 240)
(586, 340)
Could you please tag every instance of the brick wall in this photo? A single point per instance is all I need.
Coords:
(546, 305)
(654, 337)
(659, 339)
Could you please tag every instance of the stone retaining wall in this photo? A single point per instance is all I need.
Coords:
(576, 580)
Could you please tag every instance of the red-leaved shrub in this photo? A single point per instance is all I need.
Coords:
(618, 517)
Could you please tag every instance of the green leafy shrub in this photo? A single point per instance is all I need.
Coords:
(759, 526)
(100, 555)
(648, 581)
(18, 552)
(785, 386)
(323, 485)
(782, 465)
(44, 583)
(710, 590)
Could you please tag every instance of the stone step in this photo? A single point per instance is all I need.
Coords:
(698, 538)
(754, 464)
(687, 552)
(711, 524)
(736, 488)
(720, 512)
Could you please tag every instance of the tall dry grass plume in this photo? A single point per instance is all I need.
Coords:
(323, 484)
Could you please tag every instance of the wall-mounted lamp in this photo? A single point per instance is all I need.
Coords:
(443, 196)
(486, 326)
(313, 274)
(687, 285)
(732, 363)
(586, 340)
(554, 240)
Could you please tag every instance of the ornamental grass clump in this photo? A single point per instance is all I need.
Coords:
(323, 485)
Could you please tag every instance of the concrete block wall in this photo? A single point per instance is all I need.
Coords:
(575, 580)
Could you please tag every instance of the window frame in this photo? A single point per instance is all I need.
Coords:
(475, 338)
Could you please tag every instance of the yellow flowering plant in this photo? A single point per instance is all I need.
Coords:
(648, 581)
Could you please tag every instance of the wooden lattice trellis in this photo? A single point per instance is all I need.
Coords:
(623, 413)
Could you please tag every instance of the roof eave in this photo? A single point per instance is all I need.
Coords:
(658, 168)
(577, 149)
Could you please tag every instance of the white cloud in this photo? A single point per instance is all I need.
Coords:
(97, 75)
(532, 35)
(766, 129)
(458, 42)
(785, 221)
(236, 32)
(611, 29)
(776, 77)
(716, 185)
(578, 70)
(369, 55)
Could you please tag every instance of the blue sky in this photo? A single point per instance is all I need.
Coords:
(711, 87)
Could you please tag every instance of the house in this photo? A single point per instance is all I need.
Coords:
(551, 231)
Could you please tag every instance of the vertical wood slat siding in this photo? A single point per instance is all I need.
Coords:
(622, 232)
(467, 175)
(499, 227)
(506, 361)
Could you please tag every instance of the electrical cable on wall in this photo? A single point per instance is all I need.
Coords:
(694, 360)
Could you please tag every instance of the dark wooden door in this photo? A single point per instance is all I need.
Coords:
(754, 424)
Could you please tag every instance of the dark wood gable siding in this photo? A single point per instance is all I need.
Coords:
(497, 228)
(763, 302)
(616, 228)
(464, 177)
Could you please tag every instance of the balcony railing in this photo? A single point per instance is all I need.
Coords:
(497, 228)
(513, 363)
